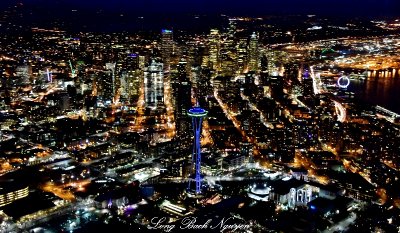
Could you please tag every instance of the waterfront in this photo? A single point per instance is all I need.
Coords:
(383, 90)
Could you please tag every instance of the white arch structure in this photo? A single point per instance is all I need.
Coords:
(317, 85)
(300, 196)
(292, 197)
(340, 111)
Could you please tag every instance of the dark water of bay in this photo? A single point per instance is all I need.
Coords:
(380, 88)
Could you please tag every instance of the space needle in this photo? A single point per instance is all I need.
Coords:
(197, 114)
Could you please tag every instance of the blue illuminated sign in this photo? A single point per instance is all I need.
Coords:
(166, 31)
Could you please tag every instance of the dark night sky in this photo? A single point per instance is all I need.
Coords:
(238, 7)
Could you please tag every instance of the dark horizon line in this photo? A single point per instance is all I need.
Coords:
(170, 8)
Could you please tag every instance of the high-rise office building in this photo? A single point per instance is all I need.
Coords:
(154, 85)
(183, 93)
(228, 57)
(242, 55)
(276, 85)
(214, 47)
(130, 78)
(132, 61)
(253, 52)
(167, 47)
(130, 81)
(105, 86)
(110, 67)
(307, 83)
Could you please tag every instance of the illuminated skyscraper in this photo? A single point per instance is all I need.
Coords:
(130, 84)
(132, 61)
(197, 114)
(106, 86)
(130, 77)
(154, 85)
(214, 46)
(253, 52)
(242, 55)
(110, 67)
(307, 82)
(228, 53)
(167, 47)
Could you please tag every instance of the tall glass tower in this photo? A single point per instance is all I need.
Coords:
(167, 47)
(253, 52)
(197, 114)
(214, 47)
(154, 85)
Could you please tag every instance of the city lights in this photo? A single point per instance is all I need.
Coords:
(150, 117)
